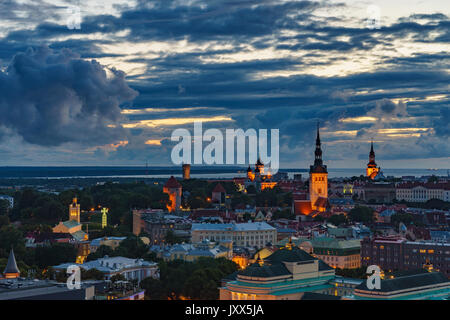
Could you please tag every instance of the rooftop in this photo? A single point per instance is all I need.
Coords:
(249, 226)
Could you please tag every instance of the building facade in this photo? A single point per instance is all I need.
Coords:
(318, 179)
(173, 188)
(252, 234)
(287, 274)
(130, 269)
(392, 254)
(420, 285)
(422, 192)
(372, 169)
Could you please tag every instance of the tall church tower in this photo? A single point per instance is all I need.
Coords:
(372, 169)
(74, 211)
(318, 179)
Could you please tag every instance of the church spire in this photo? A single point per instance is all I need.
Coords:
(318, 162)
(11, 270)
(318, 152)
(372, 154)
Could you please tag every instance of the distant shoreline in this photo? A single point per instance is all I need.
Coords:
(160, 172)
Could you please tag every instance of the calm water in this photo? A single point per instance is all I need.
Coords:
(196, 172)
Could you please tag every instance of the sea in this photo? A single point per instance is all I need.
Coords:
(210, 172)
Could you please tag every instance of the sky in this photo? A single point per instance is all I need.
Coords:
(107, 82)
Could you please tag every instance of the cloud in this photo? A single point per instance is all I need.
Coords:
(52, 97)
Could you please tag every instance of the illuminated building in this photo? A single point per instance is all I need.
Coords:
(73, 225)
(372, 169)
(11, 271)
(254, 234)
(337, 253)
(259, 167)
(258, 179)
(104, 217)
(186, 171)
(74, 211)
(74, 228)
(318, 179)
(250, 174)
(173, 189)
(395, 253)
(286, 274)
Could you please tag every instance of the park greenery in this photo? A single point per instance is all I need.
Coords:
(198, 280)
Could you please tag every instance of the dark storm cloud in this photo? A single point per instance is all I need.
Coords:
(200, 79)
(51, 97)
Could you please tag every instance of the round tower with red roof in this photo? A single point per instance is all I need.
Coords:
(173, 189)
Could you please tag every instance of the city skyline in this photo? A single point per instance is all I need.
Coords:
(245, 64)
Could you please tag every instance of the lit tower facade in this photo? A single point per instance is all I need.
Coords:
(318, 178)
(104, 217)
(186, 171)
(372, 169)
(259, 166)
(74, 211)
(173, 189)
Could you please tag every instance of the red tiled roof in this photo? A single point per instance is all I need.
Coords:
(302, 207)
(172, 183)
(219, 188)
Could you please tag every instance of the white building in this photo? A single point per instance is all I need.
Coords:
(131, 269)
(422, 192)
(251, 234)
(9, 199)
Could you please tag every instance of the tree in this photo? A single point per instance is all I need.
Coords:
(100, 253)
(251, 189)
(131, 247)
(154, 289)
(92, 274)
(45, 256)
(337, 219)
(200, 286)
(11, 237)
(4, 221)
(4, 207)
(117, 277)
(398, 217)
(171, 238)
(361, 214)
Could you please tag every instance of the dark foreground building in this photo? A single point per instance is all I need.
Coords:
(399, 254)
(419, 285)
